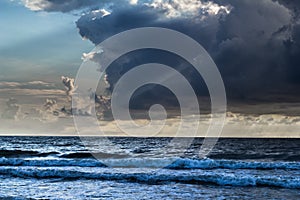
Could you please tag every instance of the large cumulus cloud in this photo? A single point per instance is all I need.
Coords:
(255, 43)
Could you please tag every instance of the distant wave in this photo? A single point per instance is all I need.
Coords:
(50, 162)
(156, 178)
(29, 153)
(23, 153)
(283, 156)
(92, 155)
(178, 164)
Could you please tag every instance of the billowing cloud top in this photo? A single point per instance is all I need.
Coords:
(69, 85)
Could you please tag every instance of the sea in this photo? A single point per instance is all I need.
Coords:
(141, 168)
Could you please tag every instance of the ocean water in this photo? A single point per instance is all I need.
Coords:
(137, 168)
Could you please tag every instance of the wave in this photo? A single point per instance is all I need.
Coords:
(156, 178)
(23, 153)
(168, 163)
(257, 156)
(31, 153)
(231, 164)
(93, 155)
(50, 162)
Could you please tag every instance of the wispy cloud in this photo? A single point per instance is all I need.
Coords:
(27, 85)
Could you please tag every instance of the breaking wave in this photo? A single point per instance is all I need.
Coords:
(155, 178)
(176, 164)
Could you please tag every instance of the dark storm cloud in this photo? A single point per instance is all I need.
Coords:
(254, 43)
(250, 47)
(193, 18)
(178, 16)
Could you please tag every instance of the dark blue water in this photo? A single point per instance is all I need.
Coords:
(136, 168)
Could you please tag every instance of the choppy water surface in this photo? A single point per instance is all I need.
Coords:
(136, 168)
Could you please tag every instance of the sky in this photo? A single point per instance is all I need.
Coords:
(254, 43)
(38, 45)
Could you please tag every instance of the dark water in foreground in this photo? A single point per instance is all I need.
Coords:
(136, 168)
